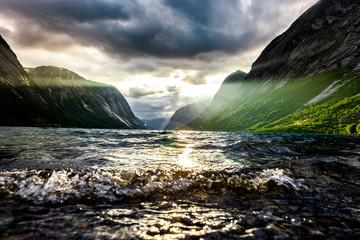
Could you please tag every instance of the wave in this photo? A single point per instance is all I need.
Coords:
(96, 184)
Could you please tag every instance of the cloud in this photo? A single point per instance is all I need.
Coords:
(137, 92)
(161, 28)
(173, 89)
(159, 105)
(197, 79)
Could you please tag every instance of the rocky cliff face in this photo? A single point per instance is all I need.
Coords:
(306, 80)
(323, 39)
(51, 96)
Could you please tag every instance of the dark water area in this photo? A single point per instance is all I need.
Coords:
(137, 184)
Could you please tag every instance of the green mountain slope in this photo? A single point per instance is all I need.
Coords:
(306, 80)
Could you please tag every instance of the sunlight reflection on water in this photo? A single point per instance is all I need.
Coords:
(185, 158)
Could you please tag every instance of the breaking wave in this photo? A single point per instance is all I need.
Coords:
(64, 186)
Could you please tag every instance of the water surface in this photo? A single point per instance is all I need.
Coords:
(123, 184)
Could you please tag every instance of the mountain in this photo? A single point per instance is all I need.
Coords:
(75, 100)
(227, 91)
(52, 96)
(156, 124)
(305, 80)
(186, 114)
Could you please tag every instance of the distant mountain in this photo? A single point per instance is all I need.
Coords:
(186, 114)
(155, 124)
(228, 91)
(52, 96)
(306, 80)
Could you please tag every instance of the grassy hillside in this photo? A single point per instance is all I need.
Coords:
(339, 113)
(305, 80)
(325, 103)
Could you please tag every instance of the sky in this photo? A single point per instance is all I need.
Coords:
(160, 54)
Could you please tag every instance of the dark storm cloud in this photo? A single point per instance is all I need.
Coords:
(162, 28)
(68, 10)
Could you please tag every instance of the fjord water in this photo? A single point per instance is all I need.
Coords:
(138, 184)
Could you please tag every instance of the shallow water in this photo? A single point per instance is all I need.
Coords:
(137, 184)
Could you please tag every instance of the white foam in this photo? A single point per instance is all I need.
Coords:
(60, 186)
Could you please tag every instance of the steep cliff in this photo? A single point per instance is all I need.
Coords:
(306, 80)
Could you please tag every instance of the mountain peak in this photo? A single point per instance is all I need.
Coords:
(54, 72)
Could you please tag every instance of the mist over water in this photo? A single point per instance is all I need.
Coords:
(121, 184)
